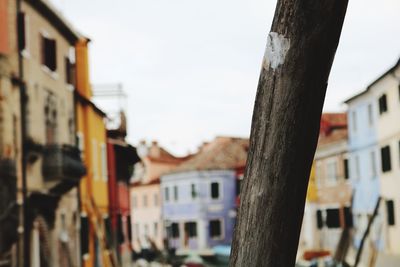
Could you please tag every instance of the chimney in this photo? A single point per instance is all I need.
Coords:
(155, 151)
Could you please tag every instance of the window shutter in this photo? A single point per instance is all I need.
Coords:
(4, 40)
(175, 230)
(129, 223)
(120, 231)
(385, 156)
(68, 71)
(346, 169)
(84, 235)
(320, 222)
(382, 104)
(215, 228)
(348, 217)
(214, 190)
(390, 212)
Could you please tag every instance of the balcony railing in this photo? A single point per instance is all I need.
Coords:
(62, 163)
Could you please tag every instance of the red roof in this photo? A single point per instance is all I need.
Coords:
(333, 128)
(222, 153)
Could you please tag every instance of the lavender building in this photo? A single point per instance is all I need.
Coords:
(199, 197)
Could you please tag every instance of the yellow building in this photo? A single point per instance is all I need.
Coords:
(91, 132)
(312, 194)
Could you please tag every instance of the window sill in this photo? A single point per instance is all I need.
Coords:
(52, 74)
(25, 53)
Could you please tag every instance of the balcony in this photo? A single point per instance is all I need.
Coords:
(125, 157)
(62, 167)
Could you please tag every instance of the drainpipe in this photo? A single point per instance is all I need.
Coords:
(23, 218)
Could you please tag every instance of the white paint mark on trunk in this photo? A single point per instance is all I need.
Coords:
(277, 48)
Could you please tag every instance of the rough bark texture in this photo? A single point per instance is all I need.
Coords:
(285, 126)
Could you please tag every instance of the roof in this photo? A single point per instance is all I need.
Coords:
(55, 18)
(373, 83)
(86, 101)
(333, 128)
(140, 183)
(157, 162)
(221, 154)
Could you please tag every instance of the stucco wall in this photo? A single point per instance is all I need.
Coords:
(146, 215)
(202, 208)
(389, 135)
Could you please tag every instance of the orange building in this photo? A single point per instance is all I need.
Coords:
(91, 132)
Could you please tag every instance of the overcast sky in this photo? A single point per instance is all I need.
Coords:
(191, 67)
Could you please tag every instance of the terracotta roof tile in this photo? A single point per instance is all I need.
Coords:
(222, 153)
(333, 128)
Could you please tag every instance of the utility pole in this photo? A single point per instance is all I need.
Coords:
(300, 51)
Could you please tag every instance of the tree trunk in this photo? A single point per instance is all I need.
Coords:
(290, 95)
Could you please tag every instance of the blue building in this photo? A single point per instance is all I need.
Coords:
(363, 156)
(199, 197)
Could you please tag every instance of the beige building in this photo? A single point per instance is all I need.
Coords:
(36, 69)
(327, 210)
(387, 91)
(10, 139)
(145, 195)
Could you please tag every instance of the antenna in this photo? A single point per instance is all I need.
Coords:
(113, 100)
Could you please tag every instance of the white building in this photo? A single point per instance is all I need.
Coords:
(387, 90)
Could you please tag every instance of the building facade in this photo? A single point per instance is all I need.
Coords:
(92, 140)
(199, 197)
(363, 159)
(37, 47)
(146, 198)
(328, 208)
(387, 91)
(121, 160)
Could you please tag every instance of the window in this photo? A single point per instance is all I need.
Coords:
(80, 141)
(215, 190)
(346, 168)
(215, 229)
(332, 218)
(103, 155)
(399, 91)
(155, 200)
(238, 185)
(155, 229)
(69, 71)
(357, 163)
(383, 104)
(49, 55)
(144, 200)
(370, 115)
(137, 230)
(191, 229)
(134, 201)
(320, 220)
(390, 212)
(354, 120)
(22, 31)
(94, 159)
(166, 194)
(176, 193)
(373, 164)
(332, 171)
(51, 118)
(175, 230)
(146, 230)
(385, 156)
(193, 191)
